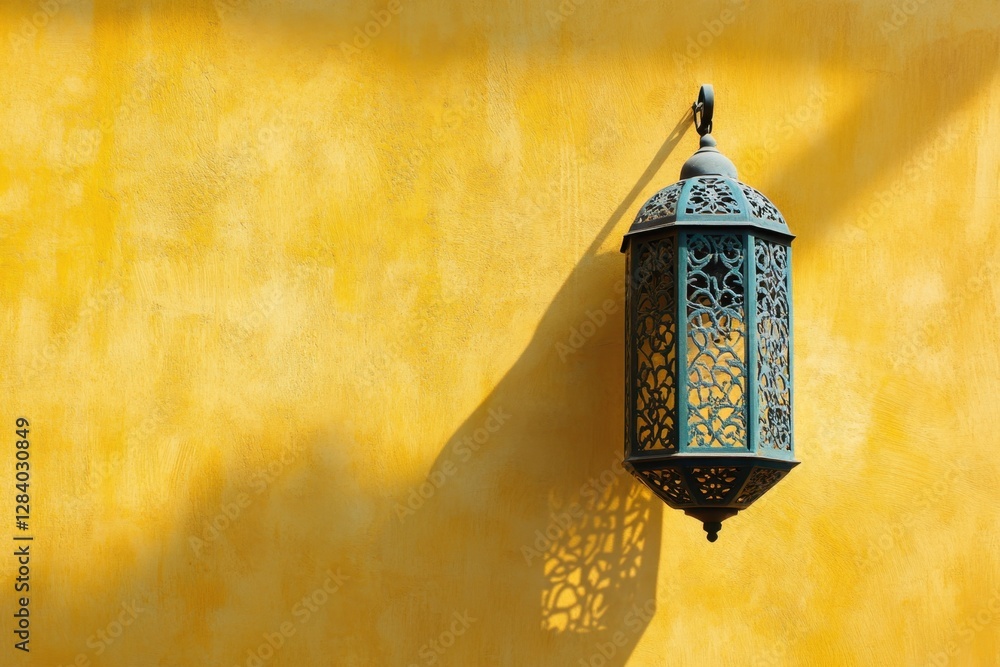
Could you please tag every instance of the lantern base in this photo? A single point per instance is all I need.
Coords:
(712, 519)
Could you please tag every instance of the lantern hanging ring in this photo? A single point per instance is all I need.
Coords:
(703, 109)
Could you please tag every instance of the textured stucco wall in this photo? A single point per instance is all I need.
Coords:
(266, 280)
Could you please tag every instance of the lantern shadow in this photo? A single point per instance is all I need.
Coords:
(536, 494)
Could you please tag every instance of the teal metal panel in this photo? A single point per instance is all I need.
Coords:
(752, 395)
(682, 364)
(791, 360)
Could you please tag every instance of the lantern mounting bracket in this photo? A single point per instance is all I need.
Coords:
(703, 109)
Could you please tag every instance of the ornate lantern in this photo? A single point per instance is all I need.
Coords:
(708, 339)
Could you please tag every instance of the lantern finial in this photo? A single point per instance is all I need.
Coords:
(708, 161)
(713, 528)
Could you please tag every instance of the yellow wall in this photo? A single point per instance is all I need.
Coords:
(254, 277)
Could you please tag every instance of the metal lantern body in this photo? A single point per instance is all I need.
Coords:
(709, 343)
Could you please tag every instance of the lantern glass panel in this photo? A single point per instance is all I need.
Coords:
(653, 362)
(716, 341)
(773, 330)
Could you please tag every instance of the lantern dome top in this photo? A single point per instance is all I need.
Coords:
(708, 193)
(708, 200)
(708, 161)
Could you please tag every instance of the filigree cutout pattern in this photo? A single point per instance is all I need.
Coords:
(716, 365)
(715, 484)
(760, 206)
(670, 482)
(711, 195)
(761, 479)
(661, 205)
(653, 326)
(773, 363)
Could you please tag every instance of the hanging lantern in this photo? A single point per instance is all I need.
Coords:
(708, 339)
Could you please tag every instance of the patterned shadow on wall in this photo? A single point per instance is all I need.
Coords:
(601, 549)
(605, 552)
(571, 543)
